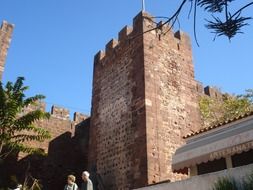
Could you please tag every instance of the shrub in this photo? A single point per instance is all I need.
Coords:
(248, 182)
(225, 184)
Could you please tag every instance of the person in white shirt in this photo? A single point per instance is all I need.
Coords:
(71, 185)
(87, 183)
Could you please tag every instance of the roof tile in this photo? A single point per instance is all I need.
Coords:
(218, 124)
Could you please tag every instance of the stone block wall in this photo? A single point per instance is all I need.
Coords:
(58, 124)
(117, 137)
(171, 97)
(6, 30)
(211, 91)
(144, 100)
(66, 151)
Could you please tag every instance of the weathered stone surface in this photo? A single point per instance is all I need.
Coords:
(144, 100)
(117, 138)
(171, 90)
(66, 151)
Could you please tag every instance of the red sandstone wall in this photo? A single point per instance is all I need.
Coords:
(118, 143)
(58, 124)
(5, 38)
(171, 97)
(144, 100)
(67, 150)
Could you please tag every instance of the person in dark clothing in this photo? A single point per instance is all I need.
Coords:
(87, 183)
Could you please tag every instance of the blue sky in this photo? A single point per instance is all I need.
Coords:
(55, 40)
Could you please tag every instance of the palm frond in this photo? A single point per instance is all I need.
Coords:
(20, 138)
(213, 5)
(19, 147)
(19, 84)
(18, 128)
(25, 121)
(228, 28)
(33, 100)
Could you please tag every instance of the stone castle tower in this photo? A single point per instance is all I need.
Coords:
(144, 100)
(5, 38)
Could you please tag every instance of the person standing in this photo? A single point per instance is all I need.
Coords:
(71, 185)
(87, 183)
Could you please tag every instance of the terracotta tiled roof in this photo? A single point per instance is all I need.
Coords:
(218, 125)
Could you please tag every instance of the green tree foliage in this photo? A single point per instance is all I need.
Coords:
(214, 110)
(225, 184)
(17, 128)
(248, 182)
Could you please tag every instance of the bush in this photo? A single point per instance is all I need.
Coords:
(225, 184)
(248, 182)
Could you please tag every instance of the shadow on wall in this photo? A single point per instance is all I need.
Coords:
(66, 155)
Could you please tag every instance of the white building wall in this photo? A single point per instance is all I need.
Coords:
(203, 182)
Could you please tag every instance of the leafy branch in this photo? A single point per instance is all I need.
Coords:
(214, 111)
(18, 127)
(230, 25)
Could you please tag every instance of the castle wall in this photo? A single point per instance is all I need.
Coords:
(66, 150)
(118, 143)
(144, 100)
(209, 91)
(172, 108)
(6, 30)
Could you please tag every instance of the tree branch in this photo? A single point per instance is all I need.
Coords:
(175, 15)
(241, 9)
(195, 17)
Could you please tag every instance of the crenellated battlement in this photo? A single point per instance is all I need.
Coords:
(143, 89)
(110, 46)
(60, 112)
(6, 27)
(6, 30)
(79, 117)
(124, 34)
(142, 23)
(63, 113)
(212, 92)
(184, 39)
(57, 112)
